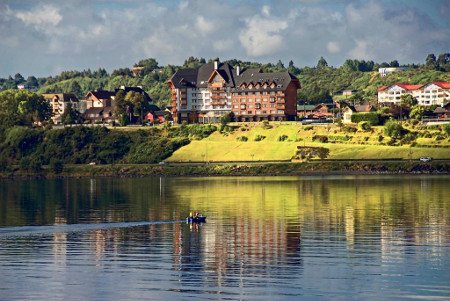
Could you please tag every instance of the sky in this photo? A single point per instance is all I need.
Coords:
(44, 37)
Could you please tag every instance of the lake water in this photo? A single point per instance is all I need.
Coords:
(266, 238)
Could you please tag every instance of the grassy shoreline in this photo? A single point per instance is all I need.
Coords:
(239, 169)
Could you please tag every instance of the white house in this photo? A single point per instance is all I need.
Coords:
(434, 93)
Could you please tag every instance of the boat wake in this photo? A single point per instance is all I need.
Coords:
(8, 232)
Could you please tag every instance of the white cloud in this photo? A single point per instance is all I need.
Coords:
(361, 51)
(263, 35)
(204, 26)
(82, 34)
(45, 15)
(265, 11)
(333, 47)
(223, 45)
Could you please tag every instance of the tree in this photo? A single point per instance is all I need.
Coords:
(280, 66)
(393, 129)
(394, 63)
(408, 100)
(430, 61)
(33, 108)
(122, 72)
(137, 104)
(32, 82)
(443, 62)
(70, 115)
(120, 108)
(18, 79)
(322, 63)
(75, 88)
(417, 112)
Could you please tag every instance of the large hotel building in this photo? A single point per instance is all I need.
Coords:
(205, 94)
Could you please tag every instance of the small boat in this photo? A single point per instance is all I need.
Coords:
(197, 219)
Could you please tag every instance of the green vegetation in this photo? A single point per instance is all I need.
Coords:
(346, 143)
(319, 83)
(31, 148)
(372, 118)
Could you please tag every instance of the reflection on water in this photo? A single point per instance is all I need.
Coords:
(266, 238)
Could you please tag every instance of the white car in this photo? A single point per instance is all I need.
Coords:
(425, 159)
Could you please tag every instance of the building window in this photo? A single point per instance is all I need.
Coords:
(258, 100)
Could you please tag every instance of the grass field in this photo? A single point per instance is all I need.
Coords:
(361, 145)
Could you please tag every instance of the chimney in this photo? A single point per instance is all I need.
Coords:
(238, 70)
(216, 63)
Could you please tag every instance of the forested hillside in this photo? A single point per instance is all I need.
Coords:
(319, 83)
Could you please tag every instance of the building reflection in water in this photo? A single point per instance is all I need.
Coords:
(254, 225)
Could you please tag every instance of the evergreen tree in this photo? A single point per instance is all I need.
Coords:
(430, 61)
(322, 63)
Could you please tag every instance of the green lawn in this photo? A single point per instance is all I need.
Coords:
(219, 147)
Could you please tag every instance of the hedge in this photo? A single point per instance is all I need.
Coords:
(371, 117)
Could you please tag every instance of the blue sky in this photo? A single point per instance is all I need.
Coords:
(46, 37)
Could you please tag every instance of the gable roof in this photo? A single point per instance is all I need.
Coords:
(199, 77)
(254, 76)
(184, 77)
(101, 94)
(364, 108)
(443, 85)
(61, 96)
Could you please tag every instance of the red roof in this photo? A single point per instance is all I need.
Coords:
(409, 86)
(443, 85)
(404, 86)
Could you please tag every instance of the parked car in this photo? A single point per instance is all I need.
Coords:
(425, 159)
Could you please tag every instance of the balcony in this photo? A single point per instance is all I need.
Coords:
(218, 103)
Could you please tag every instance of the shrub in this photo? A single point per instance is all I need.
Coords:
(394, 129)
(259, 137)
(30, 163)
(308, 128)
(370, 117)
(56, 165)
(282, 138)
(380, 138)
(265, 125)
(320, 138)
(408, 138)
(339, 138)
(3, 164)
(306, 153)
(349, 129)
(446, 129)
(439, 137)
(242, 138)
(364, 126)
